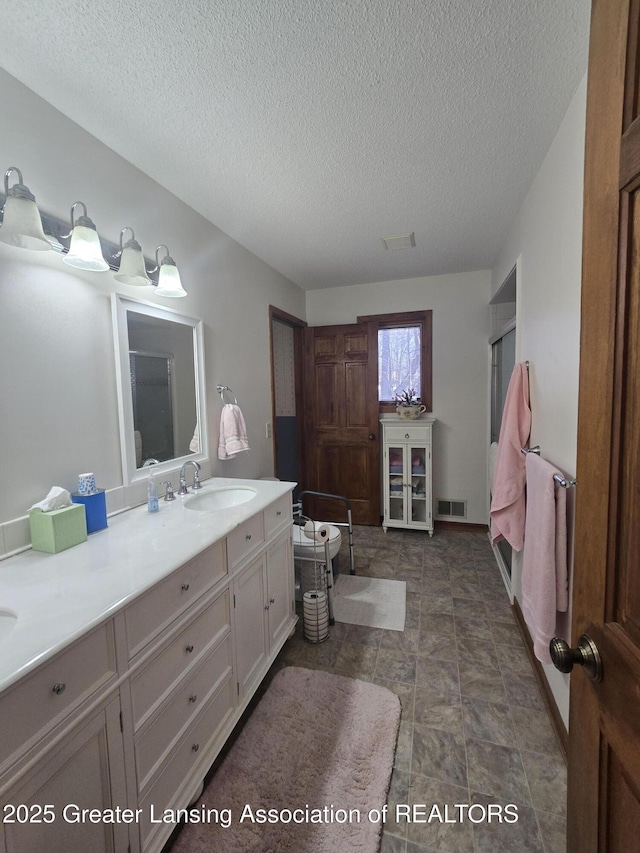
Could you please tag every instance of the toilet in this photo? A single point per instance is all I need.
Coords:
(305, 570)
(303, 546)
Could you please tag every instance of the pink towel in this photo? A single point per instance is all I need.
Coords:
(544, 562)
(507, 497)
(233, 432)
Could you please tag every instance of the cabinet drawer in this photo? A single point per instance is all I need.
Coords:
(40, 700)
(408, 433)
(197, 744)
(155, 680)
(245, 539)
(277, 514)
(157, 608)
(184, 703)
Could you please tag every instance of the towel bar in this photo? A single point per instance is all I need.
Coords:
(563, 481)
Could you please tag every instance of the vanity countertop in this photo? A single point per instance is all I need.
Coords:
(59, 597)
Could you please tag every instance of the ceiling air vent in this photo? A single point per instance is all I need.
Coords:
(400, 241)
(451, 509)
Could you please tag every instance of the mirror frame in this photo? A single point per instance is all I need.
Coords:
(120, 305)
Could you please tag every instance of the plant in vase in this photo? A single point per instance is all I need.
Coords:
(408, 405)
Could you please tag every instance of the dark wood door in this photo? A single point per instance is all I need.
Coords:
(341, 421)
(604, 729)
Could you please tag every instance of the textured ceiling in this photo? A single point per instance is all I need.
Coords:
(309, 129)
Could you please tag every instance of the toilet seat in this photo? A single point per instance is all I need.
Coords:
(303, 546)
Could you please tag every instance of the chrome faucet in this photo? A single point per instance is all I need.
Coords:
(183, 490)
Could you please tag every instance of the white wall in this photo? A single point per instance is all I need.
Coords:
(548, 234)
(460, 402)
(58, 411)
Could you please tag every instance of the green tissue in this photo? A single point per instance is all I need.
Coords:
(59, 529)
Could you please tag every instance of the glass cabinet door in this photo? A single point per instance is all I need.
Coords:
(397, 491)
(418, 468)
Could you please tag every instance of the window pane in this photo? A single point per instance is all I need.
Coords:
(398, 361)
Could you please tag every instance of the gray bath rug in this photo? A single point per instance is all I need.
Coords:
(374, 602)
(309, 772)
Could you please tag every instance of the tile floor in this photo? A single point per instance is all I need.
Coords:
(474, 728)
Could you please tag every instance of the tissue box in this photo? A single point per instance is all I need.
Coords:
(95, 508)
(59, 529)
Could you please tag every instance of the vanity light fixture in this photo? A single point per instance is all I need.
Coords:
(85, 251)
(169, 283)
(132, 267)
(21, 224)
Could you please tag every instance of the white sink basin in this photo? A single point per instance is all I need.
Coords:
(221, 499)
(8, 620)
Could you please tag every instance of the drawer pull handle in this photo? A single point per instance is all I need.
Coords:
(272, 601)
(59, 688)
(266, 607)
(248, 536)
(185, 587)
(193, 697)
(189, 648)
(195, 747)
(406, 435)
(279, 513)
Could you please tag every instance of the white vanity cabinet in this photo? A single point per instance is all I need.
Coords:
(85, 771)
(406, 474)
(192, 677)
(264, 611)
(132, 714)
(249, 603)
(62, 750)
(280, 591)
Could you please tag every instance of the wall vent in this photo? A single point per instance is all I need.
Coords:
(451, 509)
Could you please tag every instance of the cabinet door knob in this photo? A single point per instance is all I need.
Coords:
(193, 697)
(59, 688)
(372, 436)
(189, 648)
(185, 587)
(266, 607)
(272, 601)
(195, 747)
(406, 435)
(248, 536)
(279, 513)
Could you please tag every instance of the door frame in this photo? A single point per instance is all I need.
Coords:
(298, 327)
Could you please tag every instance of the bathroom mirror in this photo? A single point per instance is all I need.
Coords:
(160, 379)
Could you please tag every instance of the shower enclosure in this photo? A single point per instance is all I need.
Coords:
(503, 358)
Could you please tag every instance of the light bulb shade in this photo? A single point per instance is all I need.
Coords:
(21, 225)
(169, 283)
(132, 269)
(85, 251)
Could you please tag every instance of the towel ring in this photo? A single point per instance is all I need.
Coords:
(221, 389)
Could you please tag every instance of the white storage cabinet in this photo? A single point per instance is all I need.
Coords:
(406, 474)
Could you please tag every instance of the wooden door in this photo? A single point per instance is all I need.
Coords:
(341, 421)
(604, 730)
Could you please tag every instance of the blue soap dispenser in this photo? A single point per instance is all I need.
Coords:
(152, 493)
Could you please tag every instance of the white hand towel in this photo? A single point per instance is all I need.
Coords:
(233, 432)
